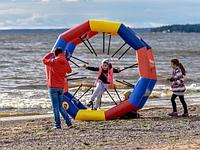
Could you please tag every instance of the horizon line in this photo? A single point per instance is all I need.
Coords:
(66, 28)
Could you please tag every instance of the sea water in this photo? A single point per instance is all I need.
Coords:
(22, 74)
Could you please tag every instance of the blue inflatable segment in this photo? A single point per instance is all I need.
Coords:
(147, 46)
(69, 49)
(147, 93)
(139, 91)
(73, 104)
(130, 37)
(72, 109)
(59, 43)
(75, 101)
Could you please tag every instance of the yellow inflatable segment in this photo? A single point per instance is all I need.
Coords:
(104, 26)
(97, 115)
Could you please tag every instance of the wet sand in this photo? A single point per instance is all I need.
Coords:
(154, 130)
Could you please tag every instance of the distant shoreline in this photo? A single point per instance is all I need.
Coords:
(187, 28)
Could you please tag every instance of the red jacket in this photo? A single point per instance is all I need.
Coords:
(109, 78)
(56, 70)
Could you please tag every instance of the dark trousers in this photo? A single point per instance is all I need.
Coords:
(181, 97)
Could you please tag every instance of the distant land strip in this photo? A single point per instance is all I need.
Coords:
(165, 29)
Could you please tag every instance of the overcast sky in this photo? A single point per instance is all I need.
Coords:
(66, 13)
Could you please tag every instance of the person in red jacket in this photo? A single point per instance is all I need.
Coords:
(56, 68)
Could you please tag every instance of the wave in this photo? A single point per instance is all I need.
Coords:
(29, 100)
(26, 104)
(29, 87)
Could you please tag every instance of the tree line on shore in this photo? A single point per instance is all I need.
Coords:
(178, 28)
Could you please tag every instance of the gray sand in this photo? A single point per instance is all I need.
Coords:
(154, 130)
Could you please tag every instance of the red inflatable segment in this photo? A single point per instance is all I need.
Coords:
(76, 32)
(86, 36)
(152, 64)
(143, 62)
(120, 110)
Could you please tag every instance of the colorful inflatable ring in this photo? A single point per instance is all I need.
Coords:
(146, 64)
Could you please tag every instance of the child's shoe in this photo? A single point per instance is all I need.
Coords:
(55, 128)
(94, 108)
(90, 104)
(70, 126)
(185, 115)
(173, 114)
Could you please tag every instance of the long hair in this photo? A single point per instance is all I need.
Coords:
(180, 65)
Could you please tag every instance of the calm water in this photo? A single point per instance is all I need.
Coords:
(22, 75)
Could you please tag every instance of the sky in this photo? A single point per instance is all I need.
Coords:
(28, 14)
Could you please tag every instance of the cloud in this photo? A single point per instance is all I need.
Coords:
(108, 1)
(45, 1)
(36, 20)
(77, 1)
(138, 24)
(148, 10)
(154, 24)
(11, 11)
(70, 0)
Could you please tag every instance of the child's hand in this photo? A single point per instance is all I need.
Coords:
(169, 79)
(118, 69)
(85, 66)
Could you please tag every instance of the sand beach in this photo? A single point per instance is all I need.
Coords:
(154, 130)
